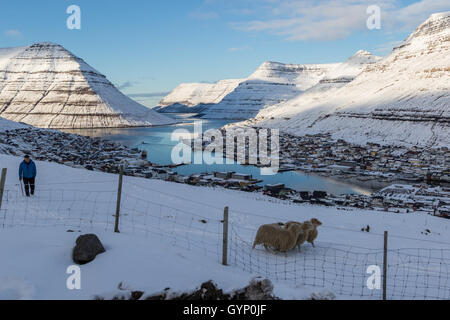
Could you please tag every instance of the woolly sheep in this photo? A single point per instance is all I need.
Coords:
(278, 237)
(306, 229)
(313, 223)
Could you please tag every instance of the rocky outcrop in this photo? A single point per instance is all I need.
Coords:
(257, 289)
(46, 86)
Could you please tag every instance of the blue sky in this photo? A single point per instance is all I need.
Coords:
(148, 47)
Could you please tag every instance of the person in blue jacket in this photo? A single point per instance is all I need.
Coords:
(27, 173)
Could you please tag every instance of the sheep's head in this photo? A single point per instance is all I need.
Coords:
(316, 222)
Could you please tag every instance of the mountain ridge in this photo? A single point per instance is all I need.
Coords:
(270, 84)
(402, 99)
(47, 86)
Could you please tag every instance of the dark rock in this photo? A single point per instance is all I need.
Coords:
(208, 292)
(319, 194)
(158, 297)
(256, 290)
(136, 295)
(87, 248)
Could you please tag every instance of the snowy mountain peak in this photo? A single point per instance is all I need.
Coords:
(362, 54)
(353, 66)
(47, 86)
(277, 71)
(435, 24)
(362, 57)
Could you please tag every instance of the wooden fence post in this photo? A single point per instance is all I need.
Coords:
(119, 198)
(2, 185)
(225, 237)
(385, 265)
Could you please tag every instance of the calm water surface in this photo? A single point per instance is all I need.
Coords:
(158, 144)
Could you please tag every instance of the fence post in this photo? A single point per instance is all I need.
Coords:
(385, 265)
(119, 198)
(225, 237)
(2, 185)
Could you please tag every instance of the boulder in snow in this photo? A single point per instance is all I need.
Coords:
(87, 248)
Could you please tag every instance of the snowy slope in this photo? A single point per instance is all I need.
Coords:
(403, 99)
(6, 124)
(195, 97)
(47, 86)
(163, 243)
(335, 79)
(270, 84)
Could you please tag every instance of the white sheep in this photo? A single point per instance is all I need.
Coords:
(306, 229)
(278, 237)
(313, 223)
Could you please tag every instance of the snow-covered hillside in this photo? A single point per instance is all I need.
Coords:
(402, 99)
(196, 97)
(46, 86)
(272, 83)
(335, 79)
(171, 237)
(6, 124)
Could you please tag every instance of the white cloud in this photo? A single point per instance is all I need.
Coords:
(13, 33)
(337, 19)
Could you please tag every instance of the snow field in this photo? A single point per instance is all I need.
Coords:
(175, 219)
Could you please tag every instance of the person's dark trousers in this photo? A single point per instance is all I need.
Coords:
(29, 186)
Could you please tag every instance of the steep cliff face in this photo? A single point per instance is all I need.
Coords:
(46, 86)
(402, 99)
(270, 84)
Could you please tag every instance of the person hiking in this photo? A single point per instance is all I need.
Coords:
(27, 173)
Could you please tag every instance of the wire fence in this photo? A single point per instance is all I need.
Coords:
(195, 226)
(77, 209)
(413, 274)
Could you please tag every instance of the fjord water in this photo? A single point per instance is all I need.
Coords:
(158, 143)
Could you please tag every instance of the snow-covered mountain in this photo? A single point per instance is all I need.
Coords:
(196, 97)
(335, 79)
(46, 86)
(271, 84)
(402, 99)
